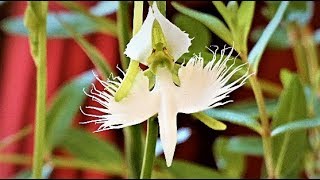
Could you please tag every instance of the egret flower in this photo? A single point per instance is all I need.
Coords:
(201, 87)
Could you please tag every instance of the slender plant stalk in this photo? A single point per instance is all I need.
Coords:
(40, 107)
(36, 20)
(123, 27)
(310, 48)
(149, 151)
(298, 51)
(133, 150)
(266, 135)
(133, 137)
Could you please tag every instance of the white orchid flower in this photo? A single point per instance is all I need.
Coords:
(200, 88)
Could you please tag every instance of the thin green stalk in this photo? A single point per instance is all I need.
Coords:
(266, 135)
(310, 48)
(35, 20)
(40, 106)
(133, 150)
(149, 151)
(123, 29)
(298, 51)
(133, 137)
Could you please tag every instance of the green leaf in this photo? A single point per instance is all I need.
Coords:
(181, 169)
(245, 16)
(234, 117)
(196, 30)
(103, 24)
(209, 121)
(257, 51)
(286, 76)
(212, 22)
(226, 13)
(85, 146)
(296, 126)
(64, 107)
(298, 11)
(289, 148)
(250, 107)
(229, 163)
(278, 40)
(92, 52)
(247, 145)
(81, 20)
(233, 6)
(82, 24)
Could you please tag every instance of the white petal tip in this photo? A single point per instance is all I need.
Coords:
(169, 163)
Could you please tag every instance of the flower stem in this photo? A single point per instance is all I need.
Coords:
(35, 19)
(298, 51)
(133, 150)
(149, 151)
(40, 105)
(266, 136)
(123, 28)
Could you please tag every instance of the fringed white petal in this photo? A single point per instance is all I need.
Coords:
(138, 106)
(140, 46)
(202, 88)
(178, 41)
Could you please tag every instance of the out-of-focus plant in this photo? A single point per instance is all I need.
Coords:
(287, 126)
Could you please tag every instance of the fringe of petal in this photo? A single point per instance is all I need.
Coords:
(103, 98)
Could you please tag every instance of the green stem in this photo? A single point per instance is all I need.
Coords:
(310, 48)
(40, 107)
(133, 150)
(133, 138)
(298, 51)
(123, 29)
(266, 135)
(149, 151)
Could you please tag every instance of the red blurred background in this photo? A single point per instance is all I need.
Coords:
(66, 60)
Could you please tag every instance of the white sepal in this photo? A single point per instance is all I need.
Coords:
(140, 46)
